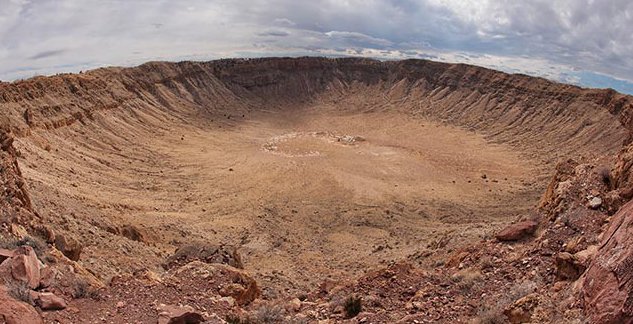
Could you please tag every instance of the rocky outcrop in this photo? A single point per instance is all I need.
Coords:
(206, 253)
(607, 286)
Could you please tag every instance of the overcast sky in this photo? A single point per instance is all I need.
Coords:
(588, 42)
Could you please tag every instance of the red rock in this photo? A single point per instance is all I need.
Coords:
(16, 312)
(607, 285)
(68, 246)
(5, 254)
(49, 301)
(22, 266)
(568, 267)
(518, 231)
(168, 314)
(47, 275)
(521, 310)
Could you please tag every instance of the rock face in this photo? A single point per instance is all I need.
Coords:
(607, 286)
(518, 231)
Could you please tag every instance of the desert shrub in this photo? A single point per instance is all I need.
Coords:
(486, 262)
(36, 243)
(82, 289)
(352, 306)
(465, 279)
(491, 316)
(235, 319)
(605, 176)
(20, 291)
(267, 314)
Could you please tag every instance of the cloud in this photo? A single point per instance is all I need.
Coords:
(550, 38)
(354, 38)
(46, 54)
(274, 33)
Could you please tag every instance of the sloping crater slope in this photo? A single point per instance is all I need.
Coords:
(314, 168)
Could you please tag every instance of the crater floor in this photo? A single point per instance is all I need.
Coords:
(305, 194)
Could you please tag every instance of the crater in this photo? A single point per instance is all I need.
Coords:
(313, 168)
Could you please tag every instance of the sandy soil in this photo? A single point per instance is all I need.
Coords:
(304, 195)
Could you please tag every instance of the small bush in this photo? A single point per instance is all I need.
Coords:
(20, 291)
(82, 289)
(465, 279)
(352, 306)
(37, 244)
(605, 176)
(268, 314)
(490, 316)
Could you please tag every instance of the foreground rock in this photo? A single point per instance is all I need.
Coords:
(168, 314)
(607, 286)
(518, 231)
(49, 301)
(23, 266)
(16, 312)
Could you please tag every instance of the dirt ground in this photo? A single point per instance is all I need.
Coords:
(305, 194)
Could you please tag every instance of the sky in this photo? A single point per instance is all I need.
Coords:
(583, 42)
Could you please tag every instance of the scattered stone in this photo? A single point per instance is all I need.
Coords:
(518, 231)
(68, 246)
(168, 314)
(595, 202)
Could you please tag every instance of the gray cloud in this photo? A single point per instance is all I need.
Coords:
(552, 38)
(46, 54)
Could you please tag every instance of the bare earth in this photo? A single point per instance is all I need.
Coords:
(337, 194)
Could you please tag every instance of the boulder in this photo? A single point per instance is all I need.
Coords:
(517, 231)
(568, 266)
(47, 276)
(168, 314)
(49, 301)
(16, 312)
(521, 310)
(23, 266)
(68, 246)
(607, 285)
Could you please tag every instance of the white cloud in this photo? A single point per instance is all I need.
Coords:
(534, 37)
